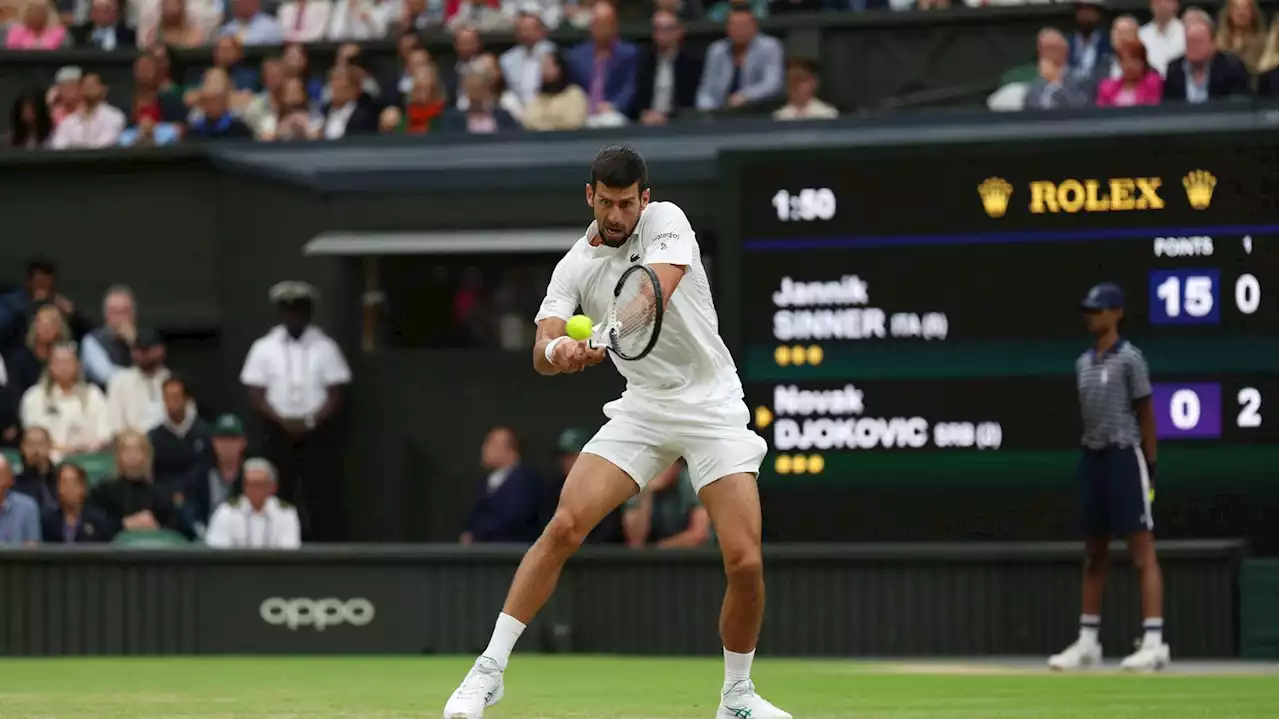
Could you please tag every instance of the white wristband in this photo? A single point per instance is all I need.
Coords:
(551, 348)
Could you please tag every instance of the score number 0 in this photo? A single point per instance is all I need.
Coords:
(1191, 296)
(1193, 410)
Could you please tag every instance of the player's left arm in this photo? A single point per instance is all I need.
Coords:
(1140, 394)
(670, 249)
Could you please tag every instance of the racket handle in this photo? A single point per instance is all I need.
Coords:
(596, 340)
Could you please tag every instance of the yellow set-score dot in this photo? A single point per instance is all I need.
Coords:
(799, 464)
(797, 355)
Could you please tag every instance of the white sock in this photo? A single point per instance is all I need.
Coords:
(737, 667)
(1089, 624)
(1152, 631)
(505, 633)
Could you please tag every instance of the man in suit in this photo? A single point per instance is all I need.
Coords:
(509, 498)
(1205, 72)
(669, 73)
(604, 66)
(1090, 43)
(104, 31)
(743, 69)
(1055, 87)
(345, 115)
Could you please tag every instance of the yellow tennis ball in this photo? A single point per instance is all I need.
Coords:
(578, 327)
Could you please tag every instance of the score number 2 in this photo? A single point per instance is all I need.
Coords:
(1191, 296)
(806, 205)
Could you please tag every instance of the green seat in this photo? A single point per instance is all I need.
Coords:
(1020, 73)
(97, 465)
(147, 538)
(14, 457)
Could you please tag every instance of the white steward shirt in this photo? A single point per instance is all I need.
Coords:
(234, 524)
(690, 364)
(135, 400)
(75, 418)
(295, 373)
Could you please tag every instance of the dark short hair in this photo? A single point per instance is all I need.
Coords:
(76, 469)
(741, 7)
(41, 265)
(175, 379)
(807, 64)
(619, 166)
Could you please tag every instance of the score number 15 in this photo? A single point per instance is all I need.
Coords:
(1192, 296)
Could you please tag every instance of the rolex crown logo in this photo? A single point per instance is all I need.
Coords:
(995, 194)
(1199, 185)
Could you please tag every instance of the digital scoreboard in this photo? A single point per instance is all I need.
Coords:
(923, 301)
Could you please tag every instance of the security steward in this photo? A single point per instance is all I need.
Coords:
(295, 376)
(1117, 462)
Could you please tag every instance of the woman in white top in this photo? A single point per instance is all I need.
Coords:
(73, 411)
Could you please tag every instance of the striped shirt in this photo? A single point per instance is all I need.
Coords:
(1108, 385)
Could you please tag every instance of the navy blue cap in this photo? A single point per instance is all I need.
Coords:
(1106, 296)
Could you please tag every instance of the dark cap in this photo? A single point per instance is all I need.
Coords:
(572, 440)
(228, 425)
(1106, 296)
(147, 338)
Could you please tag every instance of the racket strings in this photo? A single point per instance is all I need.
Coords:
(635, 315)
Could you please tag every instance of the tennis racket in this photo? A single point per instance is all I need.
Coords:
(631, 328)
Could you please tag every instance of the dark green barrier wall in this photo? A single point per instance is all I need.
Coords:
(1259, 586)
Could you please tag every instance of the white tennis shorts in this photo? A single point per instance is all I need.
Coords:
(643, 440)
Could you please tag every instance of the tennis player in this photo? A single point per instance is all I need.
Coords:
(1118, 456)
(683, 399)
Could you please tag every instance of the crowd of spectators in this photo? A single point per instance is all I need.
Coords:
(99, 437)
(1189, 59)
(603, 81)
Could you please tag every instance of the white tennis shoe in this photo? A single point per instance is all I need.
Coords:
(740, 701)
(482, 688)
(1148, 658)
(1081, 655)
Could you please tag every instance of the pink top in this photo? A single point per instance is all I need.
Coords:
(1148, 91)
(21, 37)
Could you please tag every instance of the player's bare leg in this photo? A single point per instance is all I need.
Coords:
(733, 502)
(1152, 653)
(1087, 651)
(594, 487)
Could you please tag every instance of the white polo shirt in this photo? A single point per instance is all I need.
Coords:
(73, 419)
(235, 525)
(295, 373)
(136, 400)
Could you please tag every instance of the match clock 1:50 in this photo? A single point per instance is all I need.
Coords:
(807, 205)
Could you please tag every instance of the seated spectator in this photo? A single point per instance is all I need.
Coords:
(304, 20)
(1123, 29)
(521, 66)
(95, 125)
(1089, 50)
(30, 125)
(27, 363)
(669, 73)
(399, 86)
(130, 500)
(109, 349)
(172, 25)
(105, 30)
(391, 121)
(1205, 72)
(40, 29)
(38, 479)
(1242, 31)
(425, 104)
(466, 48)
(559, 105)
(369, 93)
(482, 115)
(507, 100)
(297, 65)
(743, 69)
(360, 19)
(149, 133)
(605, 67)
(9, 11)
(293, 120)
(251, 26)
(228, 58)
(486, 16)
(666, 514)
(156, 115)
(1164, 36)
(135, 394)
(225, 479)
(164, 65)
(345, 115)
(72, 410)
(182, 443)
(19, 514)
(216, 121)
(257, 520)
(508, 500)
(802, 94)
(63, 97)
(1138, 84)
(18, 308)
(1055, 87)
(416, 16)
(262, 110)
(72, 520)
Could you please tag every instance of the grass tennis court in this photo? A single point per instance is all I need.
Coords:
(605, 688)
